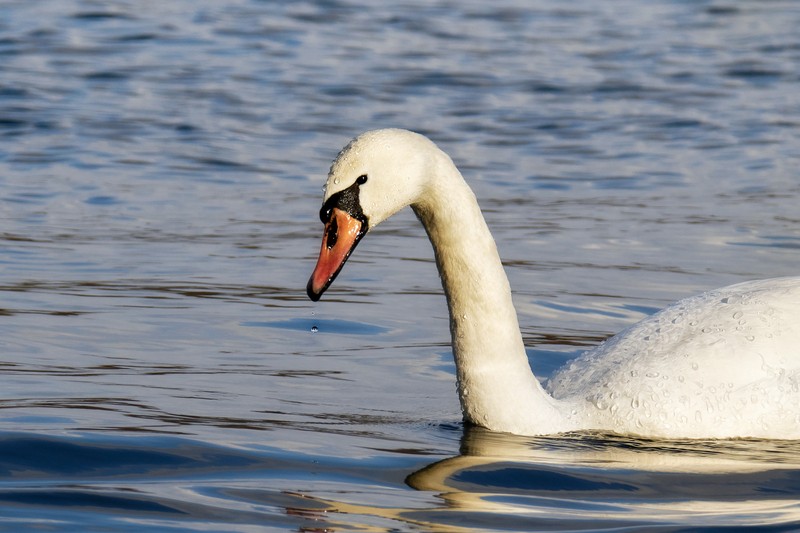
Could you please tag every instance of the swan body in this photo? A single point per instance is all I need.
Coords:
(722, 364)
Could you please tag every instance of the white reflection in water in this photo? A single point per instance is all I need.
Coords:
(592, 482)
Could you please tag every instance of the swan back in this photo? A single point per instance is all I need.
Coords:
(724, 363)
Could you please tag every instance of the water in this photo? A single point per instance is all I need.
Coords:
(160, 176)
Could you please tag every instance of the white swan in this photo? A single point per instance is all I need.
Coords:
(722, 364)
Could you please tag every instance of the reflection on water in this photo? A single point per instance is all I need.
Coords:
(160, 175)
(498, 482)
(594, 482)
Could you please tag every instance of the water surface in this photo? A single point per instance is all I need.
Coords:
(160, 176)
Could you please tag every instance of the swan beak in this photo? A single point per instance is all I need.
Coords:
(342, 233)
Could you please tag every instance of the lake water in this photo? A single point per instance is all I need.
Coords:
(161, 166)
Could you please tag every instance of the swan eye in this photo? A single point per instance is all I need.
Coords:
(325, 214)
(345, 200)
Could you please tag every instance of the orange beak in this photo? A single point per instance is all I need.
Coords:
(342, 233)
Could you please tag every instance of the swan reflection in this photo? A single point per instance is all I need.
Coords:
(589, 482)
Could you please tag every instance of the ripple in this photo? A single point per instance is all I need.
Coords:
(339, 327)
(160, 172)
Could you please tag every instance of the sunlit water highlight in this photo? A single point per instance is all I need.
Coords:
(160, 176)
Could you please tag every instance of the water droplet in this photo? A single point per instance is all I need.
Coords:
(750, 338)
(652, 374)
(737, 315)
(599, 403)
(314, 329)
(336, 181)
(634, 373)
(695, 366)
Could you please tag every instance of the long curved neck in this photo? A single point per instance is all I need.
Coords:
(495, 384)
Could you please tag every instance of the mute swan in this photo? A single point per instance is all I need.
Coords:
(722, 364)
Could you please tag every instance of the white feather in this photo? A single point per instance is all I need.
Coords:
(722, 364)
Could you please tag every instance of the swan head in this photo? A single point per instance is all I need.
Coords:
(377, 174)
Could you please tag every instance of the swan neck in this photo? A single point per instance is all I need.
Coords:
(495, 383)
(474, 281)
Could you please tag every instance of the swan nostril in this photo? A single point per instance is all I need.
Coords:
(332, 234)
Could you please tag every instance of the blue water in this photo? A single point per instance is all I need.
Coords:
(161, 168)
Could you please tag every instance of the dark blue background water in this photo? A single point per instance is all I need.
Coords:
(160, 174)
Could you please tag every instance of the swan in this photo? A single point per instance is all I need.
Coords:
(723, 364)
